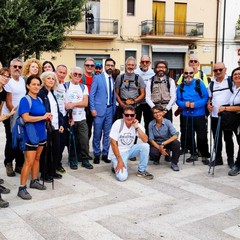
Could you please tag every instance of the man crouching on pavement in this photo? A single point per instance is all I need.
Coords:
(122, 147)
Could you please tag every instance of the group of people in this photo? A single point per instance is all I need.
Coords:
(63, 113)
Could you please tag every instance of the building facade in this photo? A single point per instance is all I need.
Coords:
(170, 30)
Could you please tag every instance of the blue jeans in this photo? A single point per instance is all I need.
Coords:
(141, 150)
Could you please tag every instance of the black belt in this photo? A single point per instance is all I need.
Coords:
(108, 106)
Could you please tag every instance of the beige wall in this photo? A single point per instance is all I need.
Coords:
(129, 31)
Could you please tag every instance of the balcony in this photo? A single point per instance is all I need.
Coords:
(188, 31)
(237, 34)
(100, 29)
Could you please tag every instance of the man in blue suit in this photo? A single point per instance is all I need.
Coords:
(102, 105)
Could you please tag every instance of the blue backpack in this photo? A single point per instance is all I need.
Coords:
(18, 127)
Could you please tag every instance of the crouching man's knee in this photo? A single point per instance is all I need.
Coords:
(122, 175)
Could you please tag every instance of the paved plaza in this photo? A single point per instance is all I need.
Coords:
(92, 205)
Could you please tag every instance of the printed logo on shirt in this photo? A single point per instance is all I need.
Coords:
(126, 139)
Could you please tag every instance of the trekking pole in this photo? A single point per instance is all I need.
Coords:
(49, 147)
(193, 147)
(71, 137)
(213, 160)
(185, 139)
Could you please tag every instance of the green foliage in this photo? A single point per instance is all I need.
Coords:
(33, 26)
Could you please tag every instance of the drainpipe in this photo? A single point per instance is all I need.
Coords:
(216, 36)
(223, 37)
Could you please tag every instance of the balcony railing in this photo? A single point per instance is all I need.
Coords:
(174, 29)
(100, 27)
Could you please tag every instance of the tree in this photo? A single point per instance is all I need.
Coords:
(32, 26)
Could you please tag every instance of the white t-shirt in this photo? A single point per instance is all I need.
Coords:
(125, 138)
(54, 110)
(60, 94)
(235, 98)
(219, 98)
(17, 89)
(74, 94)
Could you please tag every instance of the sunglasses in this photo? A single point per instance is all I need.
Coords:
(193, 61)
(156, 112)
(219, 69)
(77, 74)
(5, 76)
(89, 65)
(188, 73)
(129, 115)
(17, 66)
(145, 62)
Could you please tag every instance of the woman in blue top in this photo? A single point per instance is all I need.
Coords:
(37, 116)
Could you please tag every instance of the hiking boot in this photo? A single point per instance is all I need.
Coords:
(145, 174)
(37, 185)
(23, 193)
(1, 181)
(174, 167)
(18, 169)
(3, 204)
(113, 170)
(86, 164)
(4, 190)
(155, 162)
(61, 170)
(192, 158)
(96, 160)
(57, 176)
(9, 170)
(133, 159)
(230, 162)
(73, 166)
(234, 171)
(205, 160)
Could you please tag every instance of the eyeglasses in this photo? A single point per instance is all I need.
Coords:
(156, 112)
(90, 65)
(129, 115)
(219, 69)
(145, 62)
(236, 74)
(17, 66)
(77, 74)
(188, 73)
(109, 65)
(193, 61)
(7, 77)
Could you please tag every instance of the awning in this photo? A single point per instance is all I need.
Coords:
(169, 48)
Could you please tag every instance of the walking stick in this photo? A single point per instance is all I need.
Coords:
(185, 140)
(193, 152)
(71, 137)
(213, 154)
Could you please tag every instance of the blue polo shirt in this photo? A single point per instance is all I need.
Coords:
(163, 133)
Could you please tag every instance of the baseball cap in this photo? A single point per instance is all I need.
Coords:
(98, 65)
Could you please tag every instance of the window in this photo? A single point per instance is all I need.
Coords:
(130, 7)
(130, 53)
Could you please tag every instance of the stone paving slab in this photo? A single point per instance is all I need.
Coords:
(91, 205)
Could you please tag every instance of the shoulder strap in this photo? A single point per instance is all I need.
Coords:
(122, 77)
(121, 126)
(198, 87)
(211, 86)
(201, 74)
(82, 86)
(136, 79)
(181, 88)
(66, 85)
(152, 80)
(229, 79)
(29, 100)
(168, 83)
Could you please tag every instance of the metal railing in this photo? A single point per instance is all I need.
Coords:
(168, 28)
(98, 27)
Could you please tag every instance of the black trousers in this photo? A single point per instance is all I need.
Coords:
(196, 125)
(173, 146)
(146, 111)
(228, 138)
(51, 155)
(10, 153)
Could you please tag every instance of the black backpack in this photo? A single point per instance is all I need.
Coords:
(229, 79)
(135, 80)
(197, 88)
